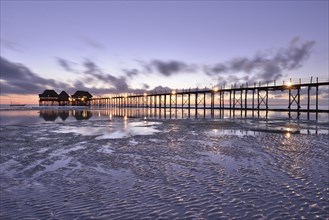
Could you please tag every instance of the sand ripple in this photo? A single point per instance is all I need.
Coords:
(185, 172)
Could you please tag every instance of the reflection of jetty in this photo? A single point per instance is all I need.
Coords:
(245, 97)
(52, 115)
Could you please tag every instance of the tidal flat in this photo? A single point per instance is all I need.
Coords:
(139, 168)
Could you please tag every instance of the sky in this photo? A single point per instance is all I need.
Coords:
(109, 47)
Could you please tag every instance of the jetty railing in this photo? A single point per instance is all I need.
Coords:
(245, 96)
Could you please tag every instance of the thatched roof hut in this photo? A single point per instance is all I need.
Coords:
(63, 96)
(49, 93)
(82, 94)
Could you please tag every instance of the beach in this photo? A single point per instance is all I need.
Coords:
(115, 167)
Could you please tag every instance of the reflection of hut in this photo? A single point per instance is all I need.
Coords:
(63, 98)
(48, 115)
(48, 97)
(81, 98)
(82, 115)
(63, 115)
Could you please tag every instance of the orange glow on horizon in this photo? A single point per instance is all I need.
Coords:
(21, 99)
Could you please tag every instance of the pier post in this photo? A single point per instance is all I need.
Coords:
(189, 103)
(196, 104)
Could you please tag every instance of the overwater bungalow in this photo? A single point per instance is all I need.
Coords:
(50, 98)
(81, 98)
(63, 98)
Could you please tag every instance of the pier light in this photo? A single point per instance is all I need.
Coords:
(173, 92)
(145, 94)
(82, 99)
(288, 83)
(215, 89)
(126, 96)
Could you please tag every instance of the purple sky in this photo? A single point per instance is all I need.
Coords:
(114, 46)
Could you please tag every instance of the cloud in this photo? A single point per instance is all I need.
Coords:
(66, 64)
(168, 68)
(119, 84)
(265, 66)
(18, 79)
(93, 43)
(161, 89)
(131, 73)
(10, 45)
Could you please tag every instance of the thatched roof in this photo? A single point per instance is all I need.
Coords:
(49, 93)
(63, 96)
(80, 94)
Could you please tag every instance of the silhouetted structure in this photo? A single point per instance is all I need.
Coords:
(63, 98)
(50, 97)
(81, 98)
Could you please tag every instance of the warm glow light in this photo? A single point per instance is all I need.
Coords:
(83, 99)
(125, 96)
(215, 89)
(289, 84)
(125, 118)
(145, 94)
(288, 135)
(173, 92)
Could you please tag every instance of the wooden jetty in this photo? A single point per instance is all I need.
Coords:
(244, 97)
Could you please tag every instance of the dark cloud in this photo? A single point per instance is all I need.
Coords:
(167, 68)
(266, 67)
(161, 89)
(131, 73)
(66, 64)
(18, 79)
(119, 84)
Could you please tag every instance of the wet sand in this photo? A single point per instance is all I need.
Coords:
(169, 169)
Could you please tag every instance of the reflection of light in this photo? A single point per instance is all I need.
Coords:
(145, 118)
(125, 118)
(84, 114)
(289, 84)
(145, 94)
(287, 135)
(110, 116)
(215, 89)
(99, 114)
